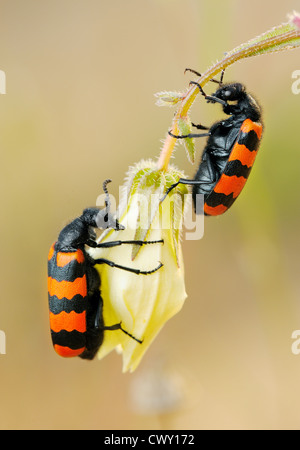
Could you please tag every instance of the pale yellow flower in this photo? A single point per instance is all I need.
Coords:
(143, 303)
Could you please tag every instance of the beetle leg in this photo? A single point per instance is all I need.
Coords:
(212, 79)
(118, 326)
(209, 98)
(200, 127)
(191, 135)
(116, 243)
(211, 172)
(129, 269)
(180, 181)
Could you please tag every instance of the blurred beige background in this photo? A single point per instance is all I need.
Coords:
(79, 108)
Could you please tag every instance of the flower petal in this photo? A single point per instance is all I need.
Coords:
(143, 303)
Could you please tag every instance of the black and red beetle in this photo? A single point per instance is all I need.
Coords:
(230, 150)
(75, 302)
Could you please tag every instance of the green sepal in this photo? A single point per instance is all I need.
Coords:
(185, 128)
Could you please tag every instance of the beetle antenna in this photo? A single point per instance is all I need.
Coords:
(107, 200)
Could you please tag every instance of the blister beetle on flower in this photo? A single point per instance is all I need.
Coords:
(75, 302)
(230, 151)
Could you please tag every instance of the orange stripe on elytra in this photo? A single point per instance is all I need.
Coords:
(245, 156)
(248, 125)
(63, 259)
(51, 251)
(67, 289)
(230, 185)
(214, 210)
(68, 321)
(67, 352)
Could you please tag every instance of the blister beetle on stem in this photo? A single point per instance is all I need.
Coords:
(75, 302)
(230, 150)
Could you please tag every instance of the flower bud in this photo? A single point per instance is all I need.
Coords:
(143, 303)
